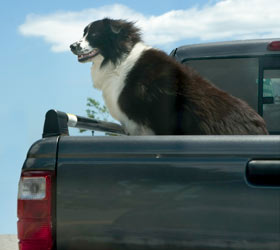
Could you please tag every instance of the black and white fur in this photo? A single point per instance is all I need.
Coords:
(150, 93)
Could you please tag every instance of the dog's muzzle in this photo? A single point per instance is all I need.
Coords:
(75, 47)
(83, 56)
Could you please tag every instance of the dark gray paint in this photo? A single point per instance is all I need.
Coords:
(165, 192)
(243, 48)
(42, 155)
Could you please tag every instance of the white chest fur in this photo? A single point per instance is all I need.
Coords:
(110, 80)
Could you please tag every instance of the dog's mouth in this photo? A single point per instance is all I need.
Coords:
(85, 57)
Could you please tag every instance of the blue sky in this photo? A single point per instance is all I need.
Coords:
(38, 72)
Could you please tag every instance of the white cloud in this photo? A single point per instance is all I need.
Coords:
(223, 20)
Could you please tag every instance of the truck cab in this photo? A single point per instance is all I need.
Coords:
(249, 70)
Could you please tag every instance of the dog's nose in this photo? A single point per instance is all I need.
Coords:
(73, 47)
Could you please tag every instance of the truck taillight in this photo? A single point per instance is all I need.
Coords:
(35, 228)
(274, 46)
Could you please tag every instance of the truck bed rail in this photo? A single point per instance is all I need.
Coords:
(57, 123)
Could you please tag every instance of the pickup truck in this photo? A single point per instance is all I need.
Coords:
(161, 192)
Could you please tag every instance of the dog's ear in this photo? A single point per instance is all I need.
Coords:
(113, 25)
(116, 28)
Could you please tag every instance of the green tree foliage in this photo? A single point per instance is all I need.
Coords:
(96, 111)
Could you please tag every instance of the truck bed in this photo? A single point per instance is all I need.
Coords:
(162, 192)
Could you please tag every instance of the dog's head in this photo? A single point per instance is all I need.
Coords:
(111, 39)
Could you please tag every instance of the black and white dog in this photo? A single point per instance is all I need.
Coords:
(150, 93)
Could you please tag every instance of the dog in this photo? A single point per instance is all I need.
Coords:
(150, 93)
